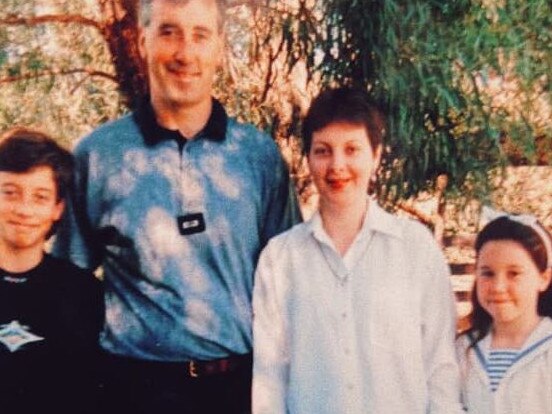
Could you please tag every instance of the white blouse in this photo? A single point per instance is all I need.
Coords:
(372, 332)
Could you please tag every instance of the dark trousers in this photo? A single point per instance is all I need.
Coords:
(144, 387)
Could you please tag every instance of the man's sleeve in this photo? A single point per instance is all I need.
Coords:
(270, 353)
(282, 208)
(74, 238)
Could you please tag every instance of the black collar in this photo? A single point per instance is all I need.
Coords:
(144, 116)
(21, 278)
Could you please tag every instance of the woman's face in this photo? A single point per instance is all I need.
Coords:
(341, 161)
(509, 283)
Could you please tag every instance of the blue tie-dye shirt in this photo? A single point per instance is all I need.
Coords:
(169, 296)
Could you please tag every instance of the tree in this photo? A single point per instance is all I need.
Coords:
(432, 64)
(56, 69)
(465, 82)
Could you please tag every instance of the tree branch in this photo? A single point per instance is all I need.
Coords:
(269, 81)
(89, 72)
(421, 216)
(13, 20)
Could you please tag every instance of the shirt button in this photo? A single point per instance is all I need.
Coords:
(347, 351)
(344, 315)
(350, 387)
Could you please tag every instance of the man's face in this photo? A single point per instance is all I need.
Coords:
(182, 47)
(28, 208)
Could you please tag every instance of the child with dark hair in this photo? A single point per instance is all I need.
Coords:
(506, 354)
(50, 310)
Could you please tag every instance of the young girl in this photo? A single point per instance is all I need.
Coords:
(506, 355)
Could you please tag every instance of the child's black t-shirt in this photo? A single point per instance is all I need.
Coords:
(50, 319)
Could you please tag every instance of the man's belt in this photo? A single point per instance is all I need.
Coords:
(190, 369)
(218, 366)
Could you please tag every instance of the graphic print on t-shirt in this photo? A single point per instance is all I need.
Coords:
(14, 336)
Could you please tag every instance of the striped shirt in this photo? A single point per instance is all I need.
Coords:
(498, 363)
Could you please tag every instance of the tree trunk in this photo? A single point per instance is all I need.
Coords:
(121, 34)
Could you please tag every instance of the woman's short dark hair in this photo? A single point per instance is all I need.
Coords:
(22, 150)
(344, 105)
(531, 240)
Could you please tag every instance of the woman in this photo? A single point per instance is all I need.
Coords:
(353, 311)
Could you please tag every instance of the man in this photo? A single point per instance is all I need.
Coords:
(175, 202)
(50, 310)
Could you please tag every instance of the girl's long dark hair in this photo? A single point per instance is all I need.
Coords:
(505, 228)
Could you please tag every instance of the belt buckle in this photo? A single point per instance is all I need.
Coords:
(192, 369)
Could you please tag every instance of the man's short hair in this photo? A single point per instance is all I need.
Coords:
(22, 150)
(344, 105)
(145, 6)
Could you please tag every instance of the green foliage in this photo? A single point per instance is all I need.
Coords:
(429, 63)
(45, 71)
(466, 83)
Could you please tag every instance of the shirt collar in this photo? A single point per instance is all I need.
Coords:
(539, 335)
(376, 220)
(17, 278)
(144, 116)
(381, 221)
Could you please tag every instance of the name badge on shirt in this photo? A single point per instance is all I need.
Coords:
(191, 223)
